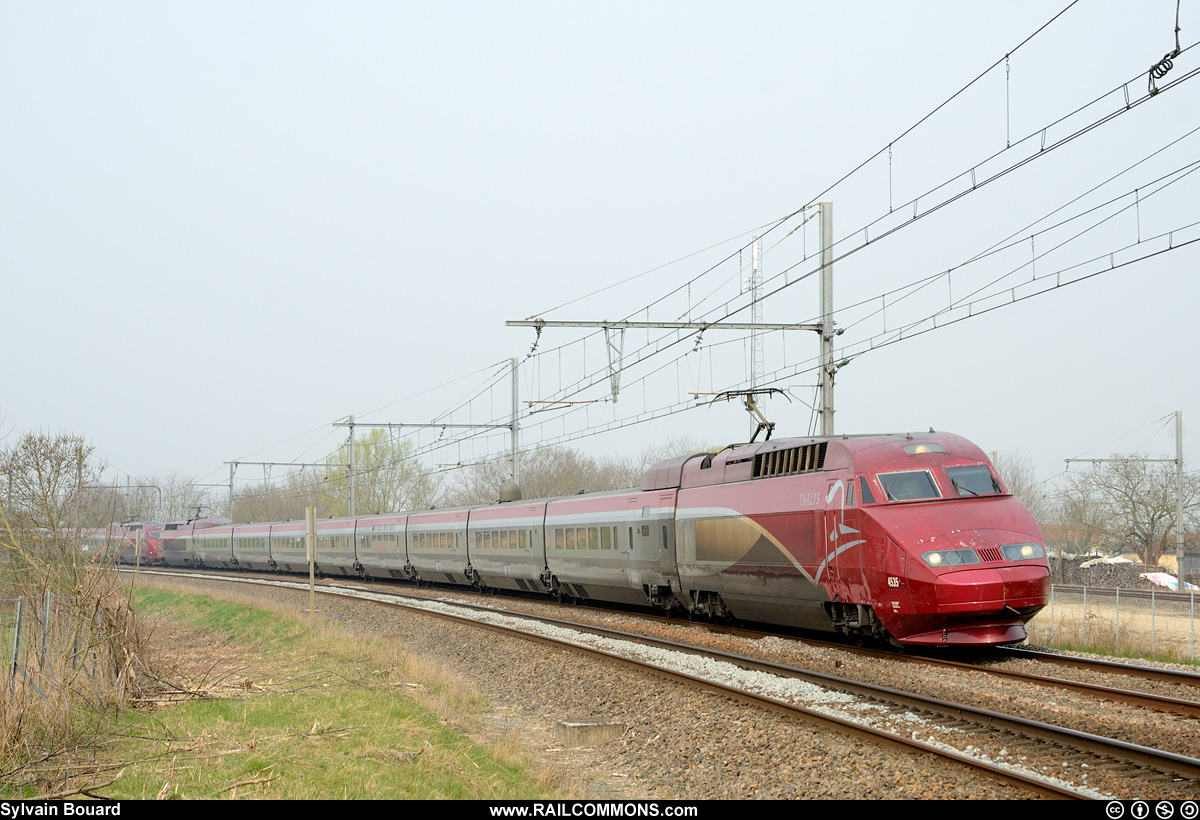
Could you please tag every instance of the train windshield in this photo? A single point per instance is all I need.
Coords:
(909, 486)
(975, 480)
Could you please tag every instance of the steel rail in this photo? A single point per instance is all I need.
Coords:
(1159, 759)
(1131, 669)
(1149, 700)
(1170, 705)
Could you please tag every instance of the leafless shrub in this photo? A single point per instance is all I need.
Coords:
(70, 643)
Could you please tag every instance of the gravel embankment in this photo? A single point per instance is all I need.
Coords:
(678, 742)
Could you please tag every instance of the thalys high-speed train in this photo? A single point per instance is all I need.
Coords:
(908, 538)
(129, 542)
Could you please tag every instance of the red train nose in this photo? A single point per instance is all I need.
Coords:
(998, 588)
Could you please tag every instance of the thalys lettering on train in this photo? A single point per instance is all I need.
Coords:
(906, 538)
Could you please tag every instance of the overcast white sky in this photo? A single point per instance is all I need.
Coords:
(224, 226)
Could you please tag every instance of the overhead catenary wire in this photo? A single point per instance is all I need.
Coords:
(774, 378)
(789, 373)
(665, 338)
(774, 225)
(589, 381)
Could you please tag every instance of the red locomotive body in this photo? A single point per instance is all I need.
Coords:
(129, 542)
(910, 537)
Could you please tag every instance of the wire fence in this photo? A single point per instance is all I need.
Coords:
(1118, 621)
(51, 642)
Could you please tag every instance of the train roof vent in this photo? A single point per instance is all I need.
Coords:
(803, 459)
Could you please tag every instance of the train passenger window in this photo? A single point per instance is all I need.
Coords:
(560, 540)
(523, 541)
(909, 486)
(503, 539)
(570, 538)
(605, 538)
(849, 493)
(974, 480)
(866, 495)
(593, 538)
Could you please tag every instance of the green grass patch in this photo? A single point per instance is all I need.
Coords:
(306, 711)
(248, 624)
(1134, 653)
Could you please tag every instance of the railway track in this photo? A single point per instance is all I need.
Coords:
(1188, 683)
(1051, 760)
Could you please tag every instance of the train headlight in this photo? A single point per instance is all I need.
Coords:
(1023, 552)
(950, 558)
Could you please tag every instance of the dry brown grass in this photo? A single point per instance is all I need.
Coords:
(261, 683)
(81, 657)
(1162, 635)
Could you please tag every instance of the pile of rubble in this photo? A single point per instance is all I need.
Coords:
(1100, 572)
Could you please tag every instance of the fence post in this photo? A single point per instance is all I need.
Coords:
(12, 681)
(46, 630)
(1085, 623)
(1117, 646)
(1052, 614)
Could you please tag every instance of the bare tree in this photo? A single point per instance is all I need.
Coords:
(44, 475)
(387, 478)
(1019, 474)
(558, 471)
(280, 500)
(1139, 499)
(1082, 524)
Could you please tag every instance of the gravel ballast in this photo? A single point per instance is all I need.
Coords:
(678, 742)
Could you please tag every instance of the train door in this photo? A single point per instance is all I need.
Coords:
(841, 560)
(666, 540)
(638, 558)
(895, 596)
